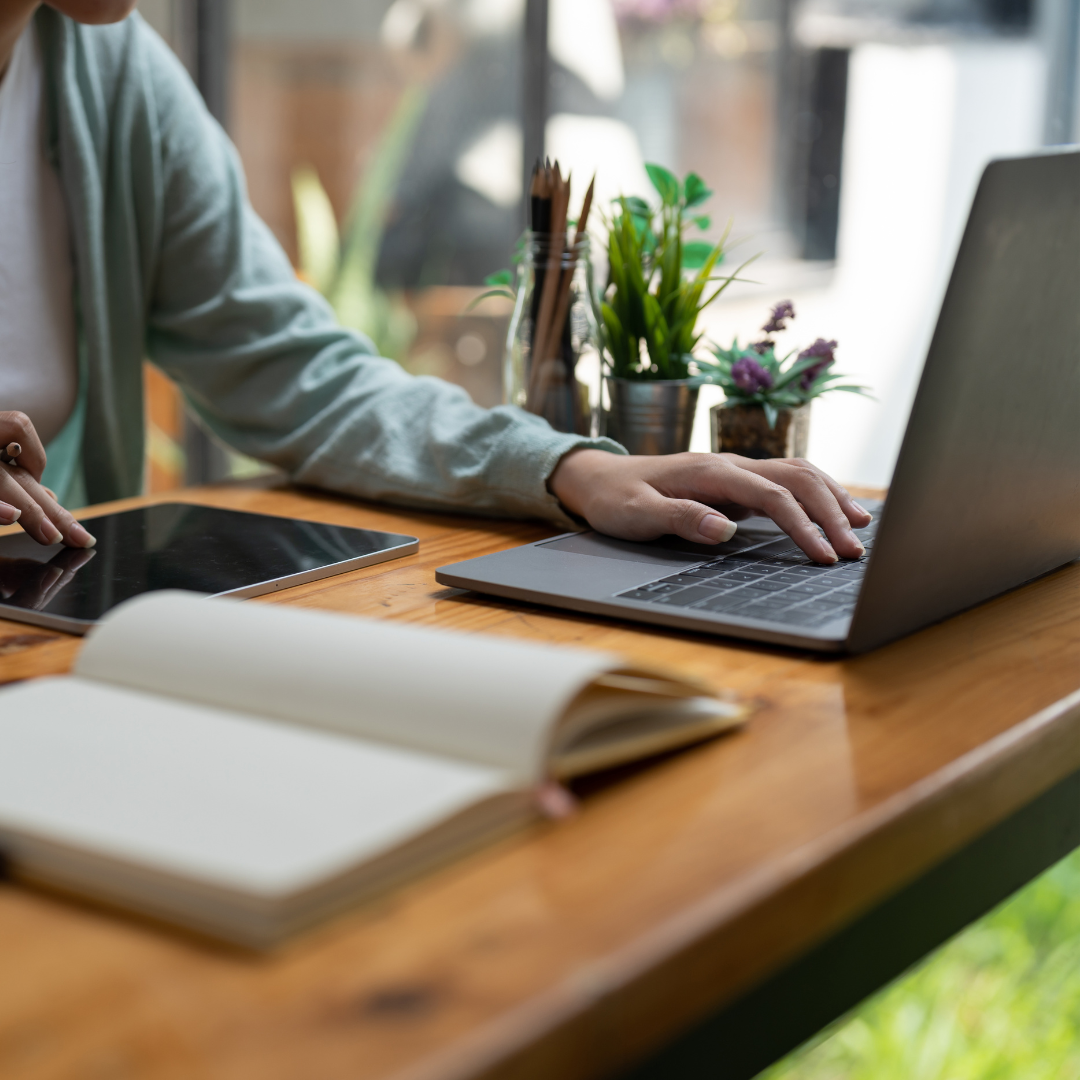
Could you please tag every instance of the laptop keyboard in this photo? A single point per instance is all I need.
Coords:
(774, 581)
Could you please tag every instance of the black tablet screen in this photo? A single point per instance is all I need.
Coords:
(173, 546)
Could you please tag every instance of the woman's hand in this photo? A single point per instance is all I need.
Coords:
(697, 496)
(22, 497)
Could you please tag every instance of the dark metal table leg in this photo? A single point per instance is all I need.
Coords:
(748, 1035)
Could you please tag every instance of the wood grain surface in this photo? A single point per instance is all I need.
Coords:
(570, 950)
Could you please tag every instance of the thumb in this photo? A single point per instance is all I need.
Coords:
(644, 514)
(702, 524)
(692, 520)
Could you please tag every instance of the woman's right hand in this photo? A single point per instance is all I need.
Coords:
(698, 496)
(22, 496)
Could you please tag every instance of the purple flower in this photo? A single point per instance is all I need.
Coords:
(779, 316)
(761, 347)
(824, 351)
(749, 376)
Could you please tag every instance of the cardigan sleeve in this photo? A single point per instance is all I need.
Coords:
(262, 359)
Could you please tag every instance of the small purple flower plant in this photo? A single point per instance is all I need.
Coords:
(778, 317)
(749, 376)
(754, 375)
(825, 351)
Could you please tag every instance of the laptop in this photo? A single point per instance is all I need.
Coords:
(986, 491)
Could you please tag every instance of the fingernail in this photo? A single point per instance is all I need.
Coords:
(831, 555)
(861, 509)
(717, 528)
(9, 514)
(78, 535)
(51, 533)
(857, 542)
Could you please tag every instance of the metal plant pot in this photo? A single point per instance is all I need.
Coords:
(652, 417)
(744, 429)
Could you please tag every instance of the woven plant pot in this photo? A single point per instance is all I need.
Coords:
(743, 429)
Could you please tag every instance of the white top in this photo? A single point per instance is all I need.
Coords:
(38, 365)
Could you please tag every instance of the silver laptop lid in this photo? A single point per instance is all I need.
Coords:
(986, 492)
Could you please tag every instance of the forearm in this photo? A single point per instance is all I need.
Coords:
(317, 406)
(422, 442)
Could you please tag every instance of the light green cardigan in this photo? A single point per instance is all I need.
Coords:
(171, 263)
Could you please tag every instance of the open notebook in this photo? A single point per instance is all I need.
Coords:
(247, 769)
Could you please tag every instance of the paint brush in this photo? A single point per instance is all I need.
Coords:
(542, 337)
(562, 308)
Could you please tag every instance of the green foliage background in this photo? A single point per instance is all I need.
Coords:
(1000, 1001)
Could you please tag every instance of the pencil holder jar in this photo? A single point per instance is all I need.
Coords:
(552, 358)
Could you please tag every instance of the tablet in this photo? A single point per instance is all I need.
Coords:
(203, 549)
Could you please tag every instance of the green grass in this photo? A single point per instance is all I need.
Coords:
(1000, 1001)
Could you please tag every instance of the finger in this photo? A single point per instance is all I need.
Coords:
(856, 514)
(74, 533)
(41, 517)
(32, 516)
(776, 501)
(654, 514)
(16, 427)
(820, 504)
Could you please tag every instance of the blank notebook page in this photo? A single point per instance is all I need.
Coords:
(247, 804)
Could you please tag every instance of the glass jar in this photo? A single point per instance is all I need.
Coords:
(552, 359)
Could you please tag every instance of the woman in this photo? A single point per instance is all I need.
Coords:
(125, 233)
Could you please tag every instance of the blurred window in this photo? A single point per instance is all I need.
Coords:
(386, 142)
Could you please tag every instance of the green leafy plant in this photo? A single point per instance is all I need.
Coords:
(502, 284)
(755, 375)
(658, 281)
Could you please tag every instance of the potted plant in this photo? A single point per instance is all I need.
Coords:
(658, 283)
(766, 407)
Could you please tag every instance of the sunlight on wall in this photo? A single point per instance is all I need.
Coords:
(922, 122)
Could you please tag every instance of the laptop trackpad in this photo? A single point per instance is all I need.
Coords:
(667, 551)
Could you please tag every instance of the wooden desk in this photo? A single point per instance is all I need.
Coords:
(675, 914)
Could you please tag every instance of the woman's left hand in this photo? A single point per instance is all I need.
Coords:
(24, 499)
